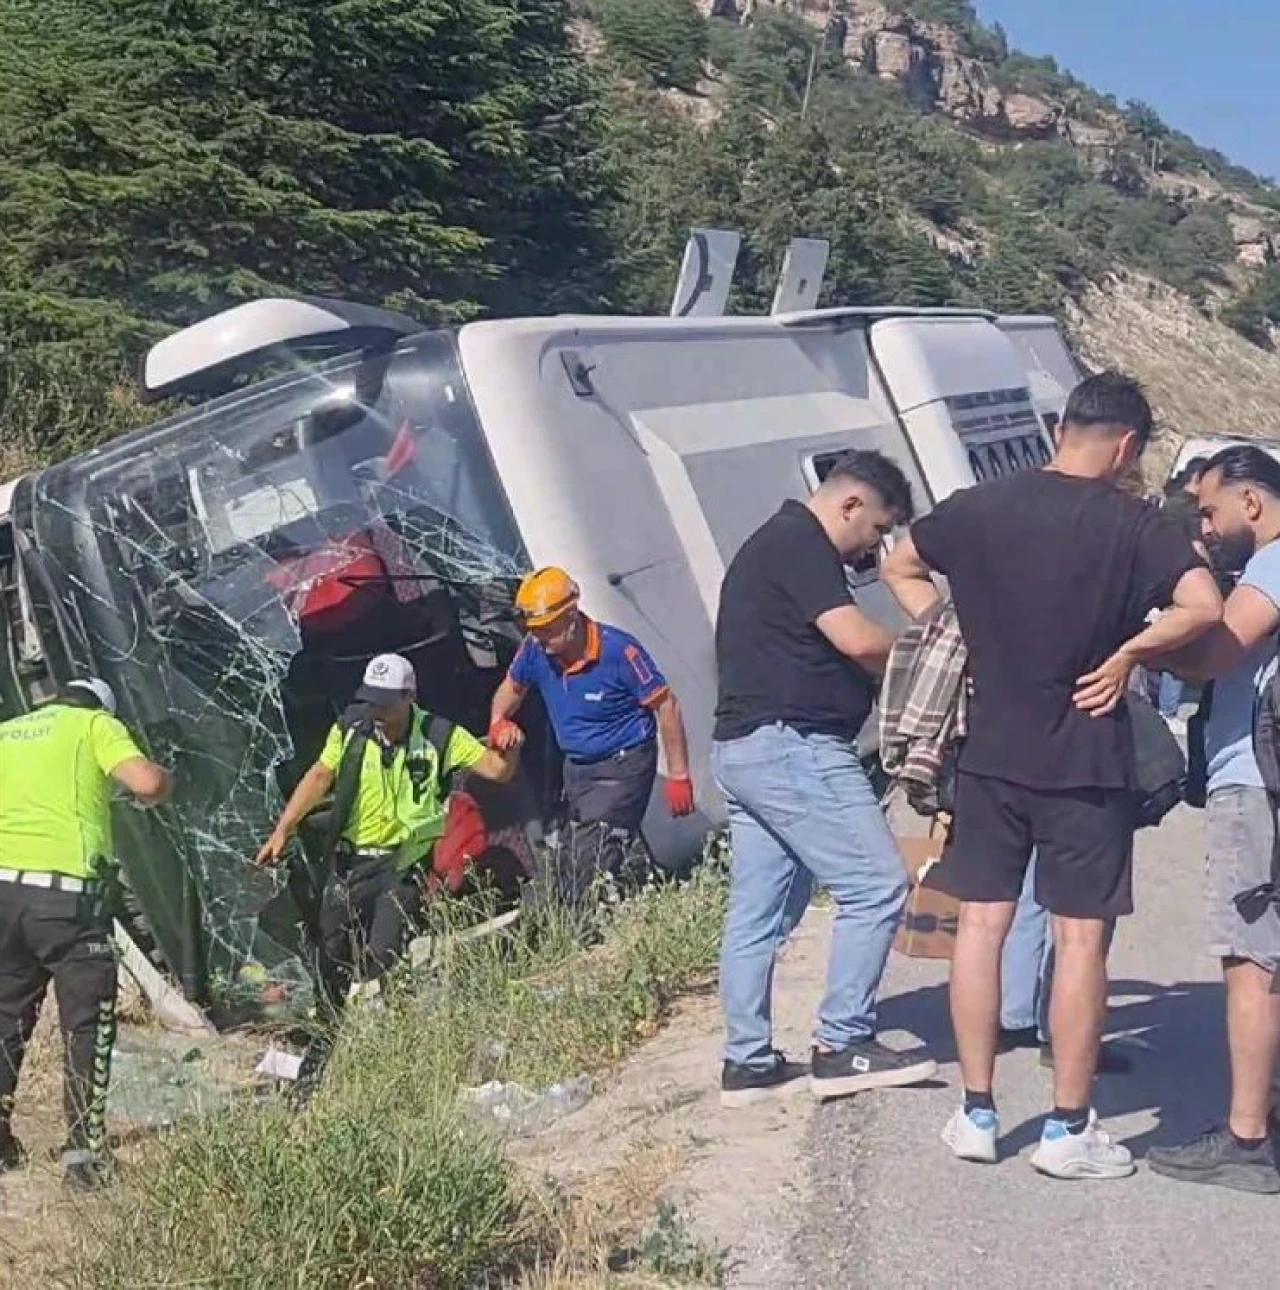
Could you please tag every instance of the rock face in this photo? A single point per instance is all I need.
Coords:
(1257, 245)
(930, 61)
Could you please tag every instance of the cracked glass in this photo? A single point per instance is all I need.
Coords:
(231, 571)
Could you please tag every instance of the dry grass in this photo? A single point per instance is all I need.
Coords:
(618, 1229)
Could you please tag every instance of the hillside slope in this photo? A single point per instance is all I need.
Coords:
(946, 167)
(462, 158)
(1203, 377)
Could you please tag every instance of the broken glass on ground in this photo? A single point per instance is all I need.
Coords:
(159, 1079)
(230, 572)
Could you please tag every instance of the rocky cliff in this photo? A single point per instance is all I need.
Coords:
(941, 71)
(1205, 378)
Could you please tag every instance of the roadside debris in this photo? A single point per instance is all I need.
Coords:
(520, 1112)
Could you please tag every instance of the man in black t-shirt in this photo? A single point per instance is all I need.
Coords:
(798, 666)
(1053, 573)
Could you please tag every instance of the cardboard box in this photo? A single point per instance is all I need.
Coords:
(930, 918)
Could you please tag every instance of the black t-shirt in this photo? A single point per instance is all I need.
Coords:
(1050, 575)
(774, 664)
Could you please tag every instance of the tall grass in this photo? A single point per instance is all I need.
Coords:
(385, 1180)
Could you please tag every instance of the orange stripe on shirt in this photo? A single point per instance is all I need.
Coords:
(656, 698)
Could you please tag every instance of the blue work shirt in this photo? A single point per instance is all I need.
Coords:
(602, 705)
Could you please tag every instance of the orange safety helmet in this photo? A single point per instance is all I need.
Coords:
(545, 595)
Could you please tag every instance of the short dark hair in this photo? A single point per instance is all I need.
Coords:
(1243, 463)
(867, 466)
(1183, 508)
(1107, 400)
(1194, 469)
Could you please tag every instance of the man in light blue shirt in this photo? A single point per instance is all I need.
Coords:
(1240, 506)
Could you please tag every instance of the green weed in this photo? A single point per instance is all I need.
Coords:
(668, 1249)
(385, 1180)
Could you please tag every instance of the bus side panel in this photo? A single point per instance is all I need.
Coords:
(646, 486)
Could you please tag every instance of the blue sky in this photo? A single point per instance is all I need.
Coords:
(1209, 67)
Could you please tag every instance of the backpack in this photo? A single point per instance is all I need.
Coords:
(358, 719)
(1160, 769)
(1266, 734)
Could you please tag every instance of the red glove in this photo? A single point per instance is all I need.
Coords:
(680, 795)
(504, 735)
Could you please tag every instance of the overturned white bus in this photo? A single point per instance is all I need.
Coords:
(231, 569)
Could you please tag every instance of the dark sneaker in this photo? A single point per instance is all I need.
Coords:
(13, 1155)
(1218, 1159)
(866, 1066)
(1112, 1060)
(1012, 1040)
(745, 1085)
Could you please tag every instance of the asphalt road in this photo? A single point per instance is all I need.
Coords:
(890, 1208)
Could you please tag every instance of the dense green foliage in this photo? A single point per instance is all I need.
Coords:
(158, 159)
(663, 41)
(161, 158)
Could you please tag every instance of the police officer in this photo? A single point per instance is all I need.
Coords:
(57, 764)
(608, 703)
(388, 764)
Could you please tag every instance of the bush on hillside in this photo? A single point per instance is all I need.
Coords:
(1258, 310)
(665, 41)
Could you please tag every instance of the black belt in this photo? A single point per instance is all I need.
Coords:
(346, 857)
(614, 756)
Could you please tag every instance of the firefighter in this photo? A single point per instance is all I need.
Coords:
(389, 765)
(57, 764)
(608, 704)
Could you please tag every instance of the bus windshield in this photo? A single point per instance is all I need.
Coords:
(231, 571)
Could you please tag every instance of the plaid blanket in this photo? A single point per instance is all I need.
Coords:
(924, 708)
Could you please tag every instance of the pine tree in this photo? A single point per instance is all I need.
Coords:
(163, 157)
(662, 40)
(160, 158)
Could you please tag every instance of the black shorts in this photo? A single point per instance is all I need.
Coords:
(1083, 840)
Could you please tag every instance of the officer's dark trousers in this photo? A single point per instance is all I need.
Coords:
(607, 801)
(63, 937)
(366, 917)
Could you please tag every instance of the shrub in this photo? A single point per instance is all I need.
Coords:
(665, 41)
(384, 1180)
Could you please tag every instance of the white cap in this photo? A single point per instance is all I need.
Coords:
(105, 694)
(387, 679)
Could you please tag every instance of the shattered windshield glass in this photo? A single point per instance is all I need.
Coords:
(232, 571)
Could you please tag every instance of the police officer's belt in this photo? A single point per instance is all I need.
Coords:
(346, 857)
(367, 853)
(53, 881)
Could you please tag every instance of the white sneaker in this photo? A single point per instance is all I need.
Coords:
(1091, 1154)
(971, 1135)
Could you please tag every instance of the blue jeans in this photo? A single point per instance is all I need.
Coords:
(802, 811)
(1026, 968)
(1171, 688)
